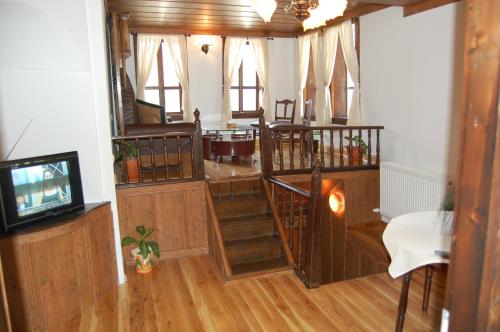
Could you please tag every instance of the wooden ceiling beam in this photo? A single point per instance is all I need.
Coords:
(213, 31)
(424, 5)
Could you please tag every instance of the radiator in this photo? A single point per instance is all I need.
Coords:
(403, 190)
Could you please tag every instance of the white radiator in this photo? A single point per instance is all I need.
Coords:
(403, 190)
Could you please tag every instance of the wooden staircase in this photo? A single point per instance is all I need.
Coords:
(250, 240)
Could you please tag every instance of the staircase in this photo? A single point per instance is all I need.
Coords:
(250, 239)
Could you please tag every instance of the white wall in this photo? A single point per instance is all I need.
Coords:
(53, 70)
(205, 74)
(411, 72)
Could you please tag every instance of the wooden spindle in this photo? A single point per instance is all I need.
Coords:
(139, 162)
(332, 152)
(280, 148)
(152, 159)
(350, 147)
(283, 207)
(179, 157)
(299, 258)
(341, 147)
(369, 147)
(322, 148)
(165, 158)
(302, 150)
(290, 222)
(360, 135)
(197, 146)
(290, 148)
(377, 158)
(193, 168)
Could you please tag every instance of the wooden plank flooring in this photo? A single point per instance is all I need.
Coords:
(188, 295)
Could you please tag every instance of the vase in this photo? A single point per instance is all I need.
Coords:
(132, 170)
(142, 265)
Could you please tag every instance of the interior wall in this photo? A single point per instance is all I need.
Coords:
(411, 74)
(205, 74)
(53, 73)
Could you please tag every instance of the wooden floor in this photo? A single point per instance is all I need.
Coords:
(187, 295)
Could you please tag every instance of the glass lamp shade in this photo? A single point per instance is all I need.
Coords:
(265, 8)
(327, 10)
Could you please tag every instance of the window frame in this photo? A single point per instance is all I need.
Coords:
(161, 86)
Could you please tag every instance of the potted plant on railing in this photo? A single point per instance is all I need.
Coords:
(132, 162)
(143, 253)
(358, 148)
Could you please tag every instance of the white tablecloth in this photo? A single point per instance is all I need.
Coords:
(412, 239)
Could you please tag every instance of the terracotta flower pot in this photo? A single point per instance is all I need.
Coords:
(355, 154)
(142, 265)
(132, 170)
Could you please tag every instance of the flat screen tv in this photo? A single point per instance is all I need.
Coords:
(39, 189)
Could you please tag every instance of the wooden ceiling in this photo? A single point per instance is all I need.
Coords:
(225, 17)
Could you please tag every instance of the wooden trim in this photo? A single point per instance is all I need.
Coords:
(215, 32)
(279, 227)
(5, 304)
(424, 5)
(474, 272)
(218, 233)
(178, 253)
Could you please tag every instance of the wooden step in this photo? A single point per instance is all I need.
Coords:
(241, 205)
(236, 187)
(266, 266)
(253, 250)
(247, 227)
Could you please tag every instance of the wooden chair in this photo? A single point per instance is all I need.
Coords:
(288, 113)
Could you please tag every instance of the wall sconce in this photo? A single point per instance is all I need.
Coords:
(205, 47)
(336, 201)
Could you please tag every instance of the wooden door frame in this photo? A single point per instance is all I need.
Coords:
(473, 279)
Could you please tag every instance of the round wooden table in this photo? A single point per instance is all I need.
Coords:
(234, 147)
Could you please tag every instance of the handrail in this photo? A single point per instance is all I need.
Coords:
(312, 128)
(148, 136)
(289, 186)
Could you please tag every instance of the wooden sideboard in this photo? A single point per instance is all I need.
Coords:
(56, 273)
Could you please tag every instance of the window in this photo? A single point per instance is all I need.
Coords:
(162, 86)
(341, 87)
(246, 93)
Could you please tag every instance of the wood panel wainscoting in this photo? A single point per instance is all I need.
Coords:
(56, 274)
(176, 211)
(351, 243)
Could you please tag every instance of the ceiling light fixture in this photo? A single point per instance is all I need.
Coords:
(312, 13)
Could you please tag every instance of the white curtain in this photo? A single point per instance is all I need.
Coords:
(176, 46)
(330, 40)
(319, 98)
(147, 48)
(233, 54)
(304, 47)
(261, 55)
(351, 60)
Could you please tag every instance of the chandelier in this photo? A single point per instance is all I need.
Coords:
(312, 13)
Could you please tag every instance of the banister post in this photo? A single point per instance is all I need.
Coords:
(265, 143)
(313, 253)
(198, 148)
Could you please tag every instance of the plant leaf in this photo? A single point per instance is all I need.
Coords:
(147, 233)
(143, 248)
(154, 248)
(140, 229)
(128, 240)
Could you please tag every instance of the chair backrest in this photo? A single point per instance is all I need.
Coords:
(308, 112)
(288, 110)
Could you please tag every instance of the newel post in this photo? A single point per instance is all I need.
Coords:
(199, 165)
(313, 253)
(265, 143)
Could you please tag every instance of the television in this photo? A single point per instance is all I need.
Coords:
(39, 189)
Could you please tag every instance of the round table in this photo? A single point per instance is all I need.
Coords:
(414, 240)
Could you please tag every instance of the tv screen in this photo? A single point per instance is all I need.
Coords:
(39, 188)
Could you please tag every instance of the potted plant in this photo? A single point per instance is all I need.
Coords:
(143, 253)
(358, 148)
(132, 163)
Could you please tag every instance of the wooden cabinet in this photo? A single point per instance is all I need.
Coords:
(55, 274)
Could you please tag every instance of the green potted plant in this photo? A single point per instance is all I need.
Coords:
(132, 162)
(143, 253)
(358, 148)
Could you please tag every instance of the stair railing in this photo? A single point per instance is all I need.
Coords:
(159, 158)
(292, 149)
(299, 212)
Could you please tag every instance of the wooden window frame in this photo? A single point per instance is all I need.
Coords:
(242, 114)
(161, 87)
